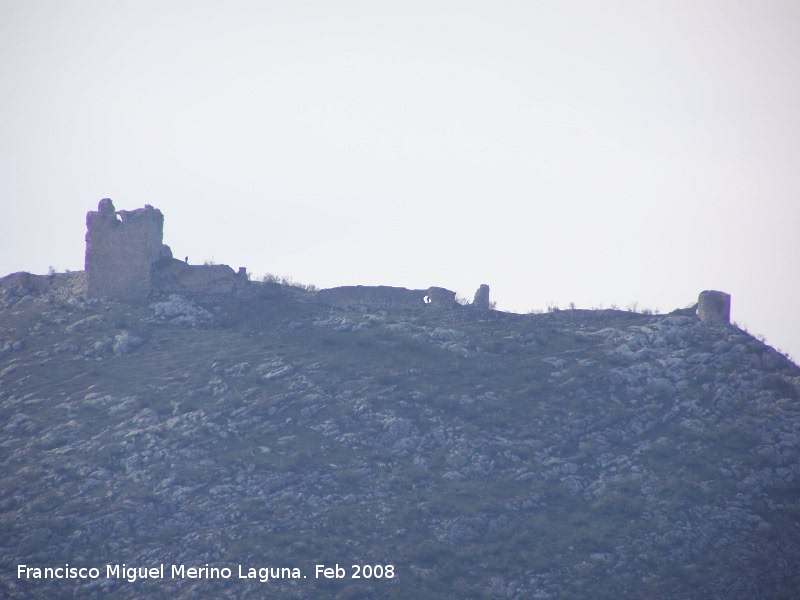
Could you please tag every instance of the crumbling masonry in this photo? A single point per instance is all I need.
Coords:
(714, 307)
(126, 259)
(386, 297)
(121, 248)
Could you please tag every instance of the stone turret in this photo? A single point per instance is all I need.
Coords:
(121, 248)
(714, 307)
(481, 299)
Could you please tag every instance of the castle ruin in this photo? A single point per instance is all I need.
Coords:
(714, 308)
(481, 299)
(386, 297)
(126, 258)
(121, 248)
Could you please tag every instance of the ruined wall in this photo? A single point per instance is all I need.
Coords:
(386, 297)
(481, 299)
(714, 307)
(175, 277)
(121, 247)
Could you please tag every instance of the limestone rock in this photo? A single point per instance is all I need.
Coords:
(125, 342)
(181, 311)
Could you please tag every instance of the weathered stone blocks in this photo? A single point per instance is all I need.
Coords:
(439, 297)
(121, 247)
(176, 277)
(714, 307)
(481, 299)
(387, 297)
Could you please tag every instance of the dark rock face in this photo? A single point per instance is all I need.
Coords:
(714, 308)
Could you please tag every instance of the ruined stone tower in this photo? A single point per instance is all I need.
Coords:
(481, 299)
(121, 248)
(714, 307)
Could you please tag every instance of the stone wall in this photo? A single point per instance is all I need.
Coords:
(714, 307)
(387, 297)
(121, 247)
(481, 299)
(175, 277)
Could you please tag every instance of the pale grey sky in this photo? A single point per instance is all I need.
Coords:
(590, 152)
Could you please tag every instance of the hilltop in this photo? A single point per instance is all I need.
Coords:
(481, 454)
(176, 430)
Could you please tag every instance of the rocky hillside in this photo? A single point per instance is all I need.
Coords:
(449, 454)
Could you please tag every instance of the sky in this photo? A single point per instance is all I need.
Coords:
(601, 153)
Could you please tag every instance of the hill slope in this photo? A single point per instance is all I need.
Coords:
(599, 454)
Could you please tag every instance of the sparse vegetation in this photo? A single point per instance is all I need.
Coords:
(633, 307)
(288, 281)
(563, 453)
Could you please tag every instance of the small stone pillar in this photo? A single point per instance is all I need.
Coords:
(481, 299)
(714, 308)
